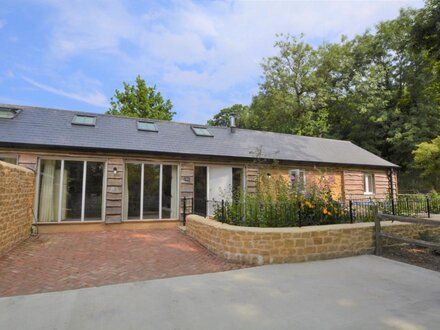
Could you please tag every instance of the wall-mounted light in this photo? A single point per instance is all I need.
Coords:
(115, 170)
(268, 175)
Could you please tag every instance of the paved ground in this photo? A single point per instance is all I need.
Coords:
(55, 262)
(365, 292)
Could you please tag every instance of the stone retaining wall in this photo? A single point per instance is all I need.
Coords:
(16, 202)
(279, 245)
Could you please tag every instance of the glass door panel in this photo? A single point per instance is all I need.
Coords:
(169, 192)
(49, 191)
(132, 191)
(151, 191)
(94, 189)
(72, 190)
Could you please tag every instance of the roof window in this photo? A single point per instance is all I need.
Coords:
(148, 126)
(8, 113)
(201, 131)
(84, 120)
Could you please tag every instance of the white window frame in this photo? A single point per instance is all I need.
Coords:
(372, 183)
(143, 163)
(60, 201)
(297, 172)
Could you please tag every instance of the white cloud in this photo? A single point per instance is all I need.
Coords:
(199, 49)
(93, 98)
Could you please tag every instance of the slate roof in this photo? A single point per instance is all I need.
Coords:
(43, 127)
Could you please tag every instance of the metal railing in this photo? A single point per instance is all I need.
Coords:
(305, 213)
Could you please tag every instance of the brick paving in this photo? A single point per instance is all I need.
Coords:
(62, 261)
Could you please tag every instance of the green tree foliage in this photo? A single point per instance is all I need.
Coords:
(223, 118)
(427, 158)
(426, 30)
(140, 101)
(380, 89)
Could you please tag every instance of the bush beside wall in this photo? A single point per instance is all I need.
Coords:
(259, 246)
(16, 202)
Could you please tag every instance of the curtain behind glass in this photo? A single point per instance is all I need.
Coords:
(49, 190)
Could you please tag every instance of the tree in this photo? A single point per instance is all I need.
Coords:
(427, 158)
(380, 90)
(140, 101)
(222, 118)
(426, 30)
(291, 94)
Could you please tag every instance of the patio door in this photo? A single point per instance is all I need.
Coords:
(200, 190)
(220, 186)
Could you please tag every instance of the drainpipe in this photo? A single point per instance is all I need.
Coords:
(391, 183)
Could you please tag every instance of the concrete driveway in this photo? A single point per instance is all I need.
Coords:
(365, 292)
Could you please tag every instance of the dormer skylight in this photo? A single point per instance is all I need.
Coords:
(201, 131)
(84, 120)
(8, 113)
(148, 126)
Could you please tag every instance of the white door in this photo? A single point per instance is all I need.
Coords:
(220, 185)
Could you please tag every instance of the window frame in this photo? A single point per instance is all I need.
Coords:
(298, 172)
(60, 199)
(195, 128)
(14, 112)
(141, 206)
(372, 183)
(84, 124)
(156, 130)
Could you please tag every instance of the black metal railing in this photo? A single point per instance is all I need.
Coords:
(306, 213)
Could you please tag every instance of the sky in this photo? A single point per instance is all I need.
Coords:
(202, 55)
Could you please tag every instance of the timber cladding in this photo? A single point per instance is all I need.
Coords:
(257, 246)
(17, 188)
(113, 203)
(347, 181)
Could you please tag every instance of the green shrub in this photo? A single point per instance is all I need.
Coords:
(278, 202)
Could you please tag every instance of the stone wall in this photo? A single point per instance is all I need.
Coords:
(279, 245)
(16, 204)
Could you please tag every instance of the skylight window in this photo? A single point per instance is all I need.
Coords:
(7, 113)
(148, 126)
(201, 131)
(84, 120)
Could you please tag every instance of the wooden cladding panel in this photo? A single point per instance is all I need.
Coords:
(113, 206)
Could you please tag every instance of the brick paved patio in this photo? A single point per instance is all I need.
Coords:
(54, 262)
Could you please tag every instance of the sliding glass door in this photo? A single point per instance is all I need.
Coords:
(150, 191)
(70, 190)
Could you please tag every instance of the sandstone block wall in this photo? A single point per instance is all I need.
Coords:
(279, 245)
(17, 187)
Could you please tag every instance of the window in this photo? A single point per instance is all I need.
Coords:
(7, 113)
(84, 120)
(11, 159)
(297, 178)
(150, 191)
(148, 126)
(369, 186)
(237, 181)
(201, 131)
(70, 190)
